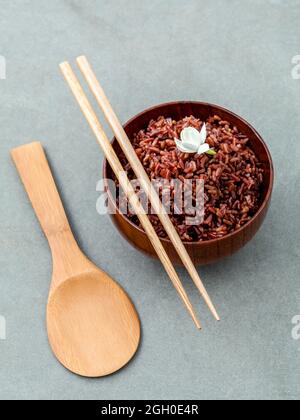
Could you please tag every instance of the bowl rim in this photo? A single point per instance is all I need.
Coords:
(263, 205)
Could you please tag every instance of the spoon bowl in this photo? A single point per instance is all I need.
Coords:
(93, 327)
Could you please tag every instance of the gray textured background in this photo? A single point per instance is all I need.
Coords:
(236, 54)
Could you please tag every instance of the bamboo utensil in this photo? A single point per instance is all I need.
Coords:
(140, 172)
(124, 182)
(93, 327)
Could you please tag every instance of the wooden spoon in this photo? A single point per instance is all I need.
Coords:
(93, 327)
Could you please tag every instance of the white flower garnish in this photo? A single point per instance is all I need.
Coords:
(193, 141)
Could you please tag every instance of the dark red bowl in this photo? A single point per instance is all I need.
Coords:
(211, 250)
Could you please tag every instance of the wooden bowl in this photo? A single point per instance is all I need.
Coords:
(212, 250)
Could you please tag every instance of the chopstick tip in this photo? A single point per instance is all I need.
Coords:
(216, 316)
(81, 58)
(63, 65)
(197, 323)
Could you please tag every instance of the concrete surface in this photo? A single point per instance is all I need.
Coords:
(236, 54)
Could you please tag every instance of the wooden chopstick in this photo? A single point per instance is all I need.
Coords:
(140, 172)
(125, 183)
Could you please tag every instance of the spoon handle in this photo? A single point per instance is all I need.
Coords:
(32, 165)
(38, 181)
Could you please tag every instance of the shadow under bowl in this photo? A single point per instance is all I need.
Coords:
(212, 250)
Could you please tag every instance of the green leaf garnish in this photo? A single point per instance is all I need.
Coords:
(211, 152)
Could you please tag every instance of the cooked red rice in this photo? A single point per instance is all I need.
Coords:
(233, 177)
